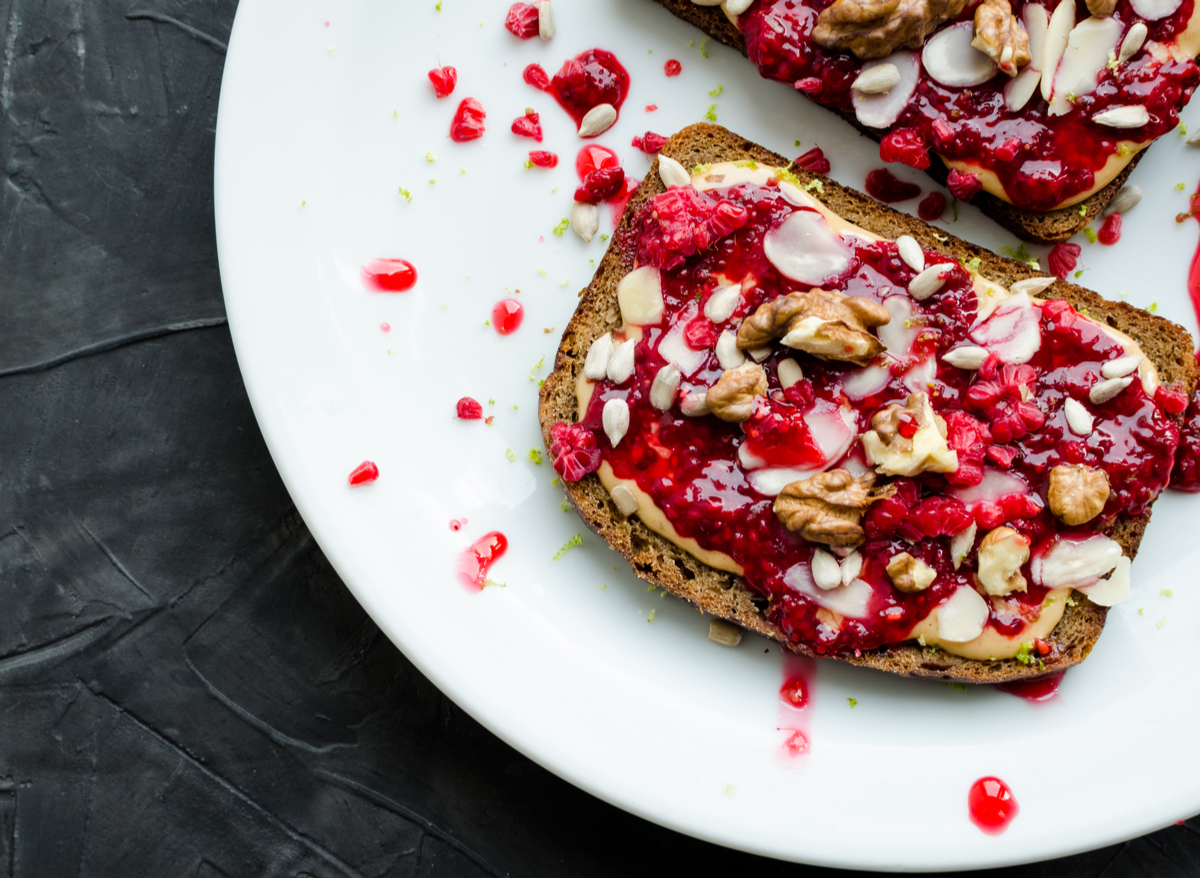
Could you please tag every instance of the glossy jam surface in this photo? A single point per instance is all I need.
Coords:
(389, 275)
(690, 467)
(1042, 690)
(991, 805)
(589, 79)
(1041, 160)
(475, 562)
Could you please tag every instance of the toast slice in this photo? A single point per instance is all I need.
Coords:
(1041, 227)
(721, 594)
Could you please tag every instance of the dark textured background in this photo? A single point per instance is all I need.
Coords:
(186, 687)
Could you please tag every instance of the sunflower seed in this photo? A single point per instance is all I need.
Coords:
(545, 20)
(598, 120)
(1078, 418)
(672, 173)
(825, 570)
(585, 219)
(595, 366)
(1128, 116)
(966, 357)
(927, 282)
(910, 250)
(625, 500)
(615, 419)
(877, 80)
(723, 303)
(1031, 286)
(664, 388)
(1104, 391)
(1128, 196)
(789, 372)
(620, 367)
(728, 354)
(1122, 366)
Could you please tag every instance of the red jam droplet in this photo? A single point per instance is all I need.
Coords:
(507, 316)
(468, 121)
(592, 78)
(672, 68)
(1042, 690)
(364, 473)
(529, 125)
(537, 77)
(814, 160)
(594, 157)
(794, 698)
(444, 80)
(457, 524)
(469, 409)
(522, 20)
(649, 142)
(389, 275)
(794, 693)
(931, 207)
(476, 560)
(1110, 232)
(883, 185)
(386, 327)
(544, 159)
(991, 804)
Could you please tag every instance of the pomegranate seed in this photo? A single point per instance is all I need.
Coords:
(814, 160)
(444, 80)
(1063, 258)
(908, 426)
(942, 132)
(962, 186)
(905, 146)
(672, 68)
(522, 20)
(529, 125)
(364, 473)
(469, 409)
(468, 121)
(507, 316)
(931, 207)
(1042, 647)
(1110, 232)
(389, 275)
(543, 159)
(649, 142)
(883, 185)
(537, 77)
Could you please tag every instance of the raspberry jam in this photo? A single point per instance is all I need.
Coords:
(1041, 160)
(991, 805)
(364, 473)
(389, 275)
(1042, 690)
(1005, 421)
(468, 121)
(475, 562)
(507, 316)
(592, 78)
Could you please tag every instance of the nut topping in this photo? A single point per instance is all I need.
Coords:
(876, 28)
(909, 439)
(1101, 8)
(998, 33)
(828, 507)
(1001, 555)
(822, 322)
(1077, 493)
(732, 397)
(910, 574)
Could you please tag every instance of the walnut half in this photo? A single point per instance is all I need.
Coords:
(1077, 493)
(822, 322)
(910, 574)
(828, 507)
(998, 34)
(876, 28)
(732, 397)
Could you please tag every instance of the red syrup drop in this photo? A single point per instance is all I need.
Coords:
(457, 524)
(1110, 232)
(1042, 690)
(476, 560)
(592, 78)
(507, 316)
(389, 275)
(364, 473)
(991, 805)
(1193, 281)
(794, 699)
(883, 185)
(594, 157)
(672, 68)
(537, 77)
(386, 327)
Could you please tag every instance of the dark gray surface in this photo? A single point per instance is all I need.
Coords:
(186, 687)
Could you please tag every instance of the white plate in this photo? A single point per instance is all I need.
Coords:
(319, 126)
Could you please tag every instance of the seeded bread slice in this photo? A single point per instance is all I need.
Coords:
(659, 561)
(1043, 227)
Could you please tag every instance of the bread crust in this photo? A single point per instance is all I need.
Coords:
(1039, 227)
(657, 560)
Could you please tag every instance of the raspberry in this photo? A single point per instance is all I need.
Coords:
(810, 85)
(935, 517)
(469, 409)
(1006, 509)
(601, 184)
(468, 121)
(529, 125)
(575, 451)
(906, 146)
(962, 186)
(931, 207)
(537, 77)
(364, 473)
(522, 20)
(1171, 402)
(1110, 232)
(444, 80)
(814, 160)
(672, 68)
(886, 517)
(1002, 456)
(649, 142)
(883, 185)
(969, 437)
(1063, 258)
(999, 396)
(700, 333)
(543, 159)
(682, 221)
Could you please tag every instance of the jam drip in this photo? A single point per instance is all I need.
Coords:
(692, 470)
(1040, 160)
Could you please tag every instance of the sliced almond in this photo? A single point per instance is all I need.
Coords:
(736, 7)
(927, 282)
(961, 544)
(1078, 418)
(625, 499)
(585, 219)
(826, 572)
(962, 616)
(1128, 116)
(1132, 42)
(545, 20)
(877, 80)
(672, 173)
(1089, 46)
(911, 252)
(595, 367)
(1126, 199)
(1031, 286)
(1019, 89)
(758, 355)
(1106, 390)
(728, 354)
(620, 365)
(966, 357)
(598, 120)
(1121, 366)
(694, 405)
(1114, 589)
(1057, 34)
(665, 387)
(725, 634)
(723, 303)
(851, 565)
(949, 57)
(789, 372)
(640, 296)
(615, 419)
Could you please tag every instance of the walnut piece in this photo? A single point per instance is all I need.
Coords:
(732, 397)
(876, 28)
(999, 34)
(822, 322)
(1077, 493)
(1001, 555)
(1101, 8)
(925, 447)
(910, 574)
(828, 507)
